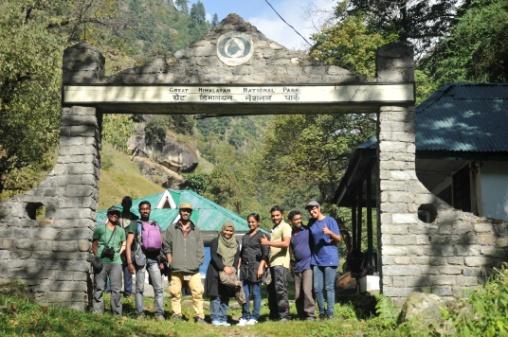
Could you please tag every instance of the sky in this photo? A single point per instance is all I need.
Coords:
(307, 16)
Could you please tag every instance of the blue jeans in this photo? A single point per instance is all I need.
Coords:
(219, 309)
(324, 280)
(255, 290)
(127, 280)
(152, 266)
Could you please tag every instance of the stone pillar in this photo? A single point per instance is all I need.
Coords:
(45, 234)
(396, 155)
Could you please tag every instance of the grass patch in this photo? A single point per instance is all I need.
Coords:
(485, 313)
(119, 177)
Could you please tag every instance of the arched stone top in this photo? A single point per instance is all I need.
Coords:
(270, 63)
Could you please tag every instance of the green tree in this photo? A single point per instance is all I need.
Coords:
(215, 20)
(198, 24)
(419, 20)
(477, 48)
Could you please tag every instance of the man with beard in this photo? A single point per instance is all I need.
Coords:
(184, 250)
(300, 247)
(279, 265)
(148, 235)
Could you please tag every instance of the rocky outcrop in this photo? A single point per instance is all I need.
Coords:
(163, 162)
(426, 308)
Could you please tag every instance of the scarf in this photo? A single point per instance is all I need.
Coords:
(227, 247)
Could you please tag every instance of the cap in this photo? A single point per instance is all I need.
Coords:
(185, 205)
(312, 204)
(114, 209)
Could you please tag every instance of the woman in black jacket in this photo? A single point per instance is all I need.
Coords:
(254, 259)
(225, 254)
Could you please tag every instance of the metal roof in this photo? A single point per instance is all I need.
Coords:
(207, 215)
(464, 117)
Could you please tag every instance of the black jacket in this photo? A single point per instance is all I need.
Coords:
(213, 287)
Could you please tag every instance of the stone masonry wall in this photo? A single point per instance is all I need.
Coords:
(50, 255)
(447, 256)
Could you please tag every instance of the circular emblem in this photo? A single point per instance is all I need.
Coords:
(235, 48)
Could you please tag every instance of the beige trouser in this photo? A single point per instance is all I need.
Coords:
(196, 288)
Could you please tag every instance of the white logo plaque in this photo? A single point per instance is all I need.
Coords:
(235, 48)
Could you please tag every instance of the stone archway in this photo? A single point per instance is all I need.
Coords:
(233, 70)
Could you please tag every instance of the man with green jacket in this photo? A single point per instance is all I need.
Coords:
(184, 250)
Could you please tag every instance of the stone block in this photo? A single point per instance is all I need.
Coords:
(467, 280)
(474, 271)
(397, 156)
(75, 234)
(394, 250)
(392, 146)
(81, 168)
(403, 270)
(47, 233)
(485, 239)
(393, 229)
(77, 150)
(84, 245)
(388, 185)
(476, 261)
(502, 242)
(408, 281)
(24, 244)
(73, 213)
(71, 119)
(81, 192)
(483, 228)
(65, 246)
(402, 218)
(398, 291)
(396, 207)
(6, 243)
(75, 222)
(467, 250)
(43, 245)
(456, 260)
(449, 270)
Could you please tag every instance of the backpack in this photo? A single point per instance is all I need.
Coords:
(150, 235)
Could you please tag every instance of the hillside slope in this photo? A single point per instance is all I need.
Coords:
(119, 177)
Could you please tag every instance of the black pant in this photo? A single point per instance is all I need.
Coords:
(278, 293)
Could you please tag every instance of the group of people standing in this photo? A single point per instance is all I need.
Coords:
(236, 268)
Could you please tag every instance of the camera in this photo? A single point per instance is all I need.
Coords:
(108, 252)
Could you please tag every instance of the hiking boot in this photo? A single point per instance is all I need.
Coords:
(159, 317)
(199, 320)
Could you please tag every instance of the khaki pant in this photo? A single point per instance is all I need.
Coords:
(196, 288)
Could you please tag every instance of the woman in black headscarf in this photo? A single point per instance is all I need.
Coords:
(225, 254)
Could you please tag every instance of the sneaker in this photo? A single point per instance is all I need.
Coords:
(199, 320)
(310, 318)
(159, 317)
(225, 323)
(243, 322)
(216, 323)
(252, 321)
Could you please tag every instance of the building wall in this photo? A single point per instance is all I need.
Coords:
(451, 253)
